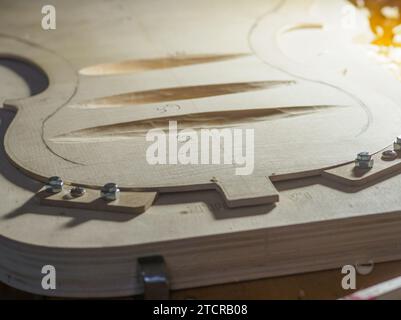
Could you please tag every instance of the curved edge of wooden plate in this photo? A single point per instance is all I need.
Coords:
(62, 84)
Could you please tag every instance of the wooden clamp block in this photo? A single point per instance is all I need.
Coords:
(242, 191)
(349, 175)
(128, 202)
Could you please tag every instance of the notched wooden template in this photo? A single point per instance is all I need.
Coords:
(89, 139)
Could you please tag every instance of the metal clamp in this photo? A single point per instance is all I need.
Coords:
(152, 271)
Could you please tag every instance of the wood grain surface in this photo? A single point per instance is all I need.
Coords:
(312, 107)
(89, 126)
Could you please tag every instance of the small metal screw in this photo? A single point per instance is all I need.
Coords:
(397, 144)
(54, 185)
(389, 155)
(110, 192)
(77, 192)
(363, 160)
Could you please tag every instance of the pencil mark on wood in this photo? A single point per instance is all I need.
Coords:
(252, 48)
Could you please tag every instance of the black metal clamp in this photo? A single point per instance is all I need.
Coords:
(152, 271)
